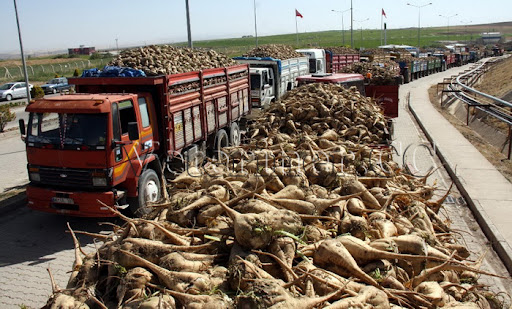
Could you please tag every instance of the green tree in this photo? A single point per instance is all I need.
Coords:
(5, 116)
(76, 73)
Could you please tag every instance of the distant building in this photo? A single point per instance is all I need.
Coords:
(491, 37)
(82, 50)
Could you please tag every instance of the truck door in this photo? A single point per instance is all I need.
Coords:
(123, 113)
(146, 130)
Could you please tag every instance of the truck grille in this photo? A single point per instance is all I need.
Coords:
(66, 177)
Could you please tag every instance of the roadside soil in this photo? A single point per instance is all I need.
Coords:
(496, 82)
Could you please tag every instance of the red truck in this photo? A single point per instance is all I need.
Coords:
(111, 140)
(335, 62)
(386, 95)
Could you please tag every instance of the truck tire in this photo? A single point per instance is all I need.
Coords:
(406, 76)
(149, 191)
(234, 134)
(221, 140)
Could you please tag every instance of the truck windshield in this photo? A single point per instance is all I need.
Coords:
(255, 81)
(68, 130)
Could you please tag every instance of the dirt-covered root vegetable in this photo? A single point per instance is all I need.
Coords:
(363, 252)
(214, 301)
(132, 285)
(353, 186)
(433, 292)
(271, 294)
(290, 192)
(284, 248)
(294, 205)
(155, 302)
(253, 206)
(63, 301)
(322, 173)
(355, 206)
(368, 297)
(385, 228)
(332, 254)
(355, 225)
(256, 231)
(181, 281)
(184, 261)
(272, 181)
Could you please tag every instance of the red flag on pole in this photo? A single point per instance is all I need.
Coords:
(384, 13)
(298, 14)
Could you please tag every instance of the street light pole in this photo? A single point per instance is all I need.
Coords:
(448, 28)
(342, 25)
(22, 53)
(189, 32)
(255, 24)
(351, 25)
(419, 19)
(361, 21)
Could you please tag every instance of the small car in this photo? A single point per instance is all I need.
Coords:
(56, 85)
(11, 91)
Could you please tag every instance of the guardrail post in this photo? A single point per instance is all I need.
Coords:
(31, 69)
(509, 141)
(21, 72)
(42, 68)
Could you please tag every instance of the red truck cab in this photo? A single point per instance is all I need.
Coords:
(109, 142)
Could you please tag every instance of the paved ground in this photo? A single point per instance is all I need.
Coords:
(13, 161)
(32, 241)
(488, 192)
(419, 158)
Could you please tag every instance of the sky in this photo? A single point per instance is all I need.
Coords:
(48, 25)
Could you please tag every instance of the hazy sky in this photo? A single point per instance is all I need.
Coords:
(59, 24)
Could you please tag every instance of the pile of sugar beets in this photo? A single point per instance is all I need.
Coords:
(308, 213)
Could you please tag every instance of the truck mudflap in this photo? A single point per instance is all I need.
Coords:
(80, 204)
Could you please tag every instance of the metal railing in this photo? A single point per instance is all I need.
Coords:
(461, 88)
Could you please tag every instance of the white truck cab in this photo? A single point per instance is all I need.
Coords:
(317, 60)
(262, 90)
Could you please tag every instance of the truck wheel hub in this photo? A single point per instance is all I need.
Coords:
(151, 191)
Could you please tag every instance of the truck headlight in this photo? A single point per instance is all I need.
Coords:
(99, 181)
(34, 176)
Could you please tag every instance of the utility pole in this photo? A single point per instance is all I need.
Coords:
(22, 53)
(189, 32)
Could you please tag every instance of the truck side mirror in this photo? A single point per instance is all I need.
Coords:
(133, 131)
(23, 131)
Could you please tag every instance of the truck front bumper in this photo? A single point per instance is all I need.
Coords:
(80, 204)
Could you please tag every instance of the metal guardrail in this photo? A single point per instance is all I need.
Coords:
(461, 88)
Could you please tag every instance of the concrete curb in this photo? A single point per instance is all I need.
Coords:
(496, 239)
(13, 203)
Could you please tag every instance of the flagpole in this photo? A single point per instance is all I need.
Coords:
(297, 29)
(381, 23)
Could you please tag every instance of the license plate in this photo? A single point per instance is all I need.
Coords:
(62, 200)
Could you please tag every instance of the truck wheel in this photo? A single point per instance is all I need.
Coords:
(221, 140)
(149, 191)
(234, 134)
(8, 97)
